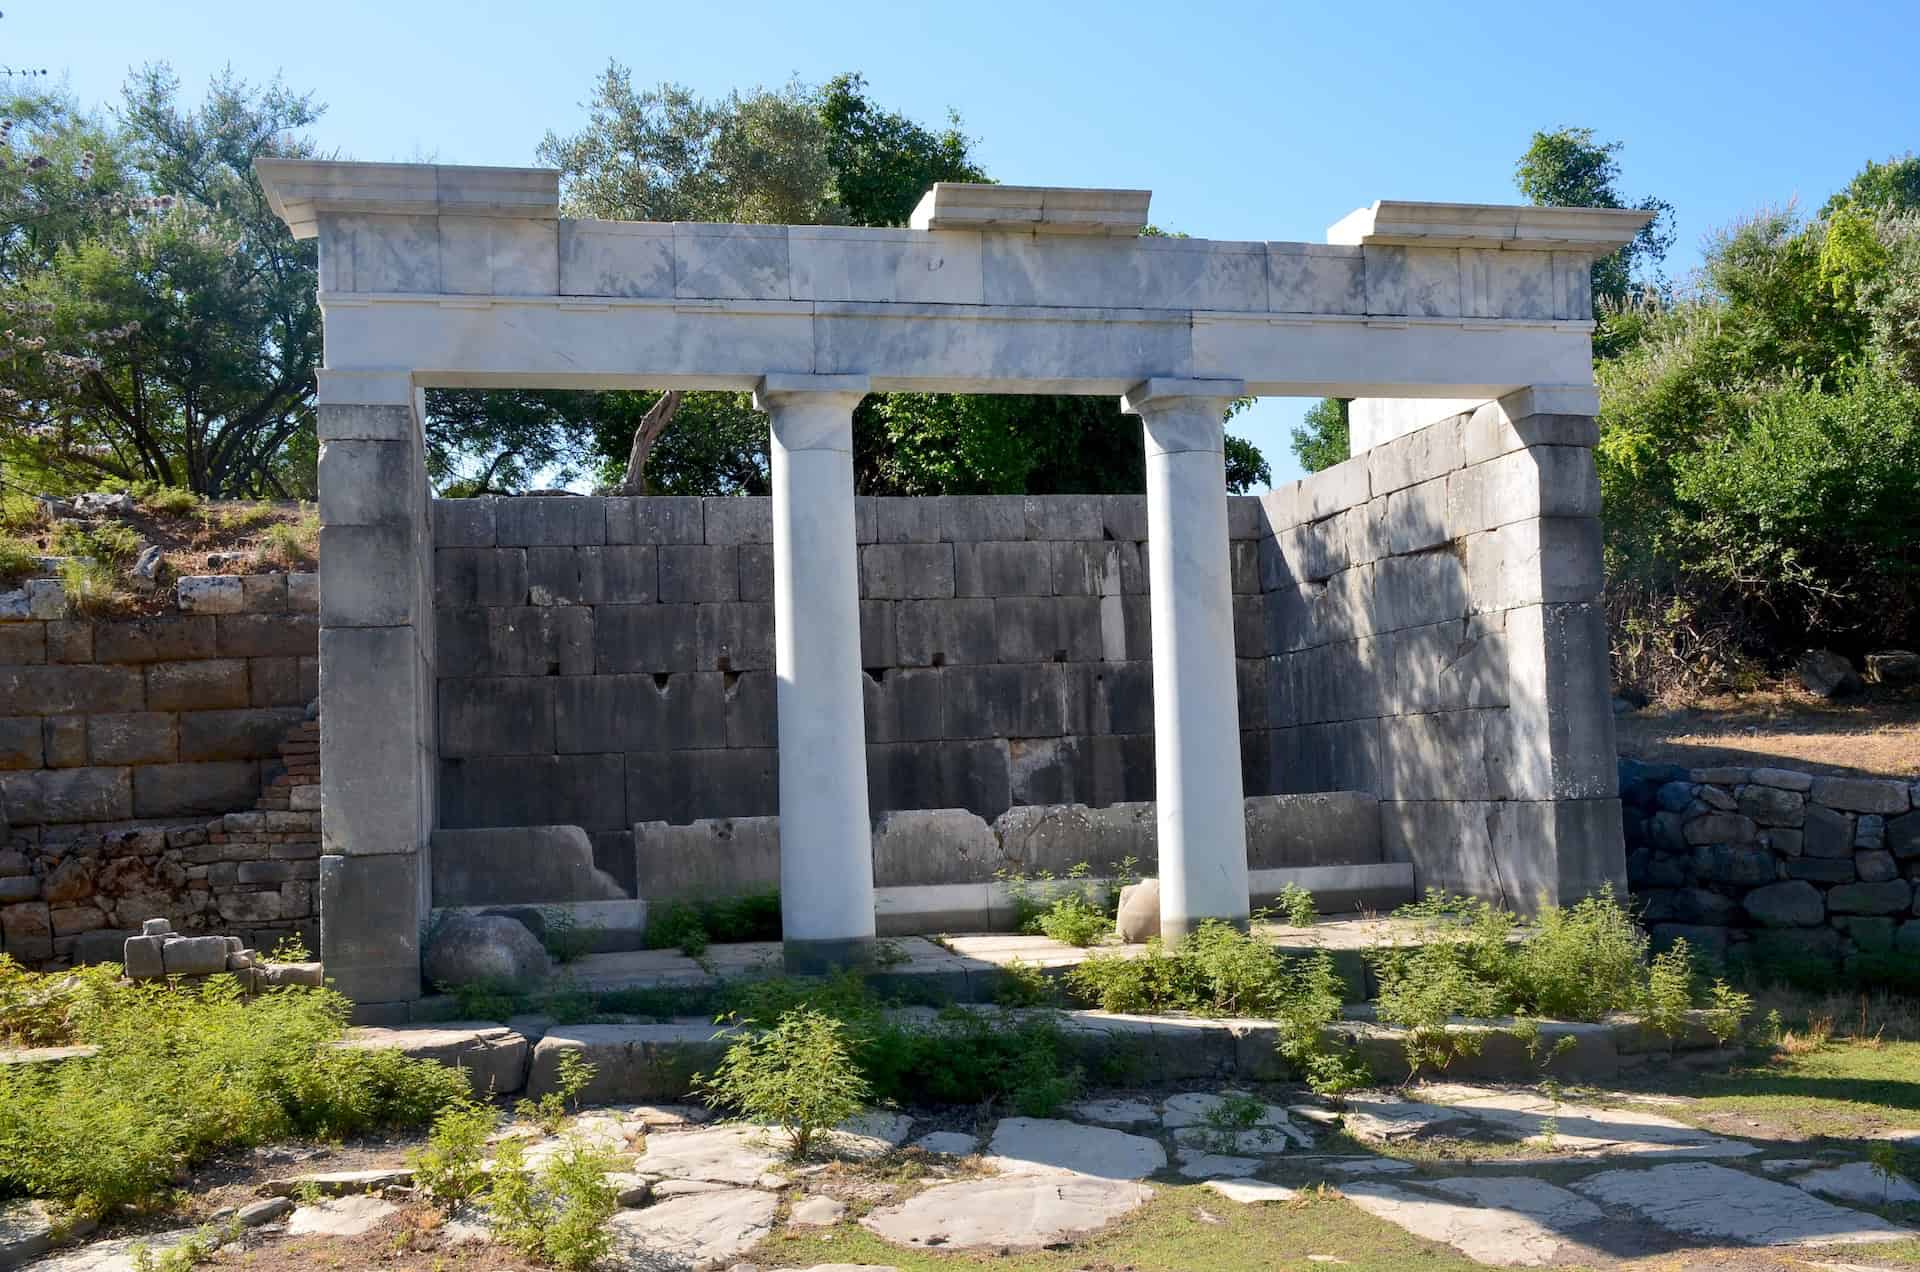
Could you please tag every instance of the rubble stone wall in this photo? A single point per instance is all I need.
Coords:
(165, 765)
(1779, 866)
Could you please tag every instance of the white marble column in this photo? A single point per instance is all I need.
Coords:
(1196, 711)
(826, 837)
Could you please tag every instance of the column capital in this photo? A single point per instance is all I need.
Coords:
(782, 384)
(1160, 393)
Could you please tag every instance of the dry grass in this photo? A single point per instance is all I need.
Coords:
(1818, 1033)
(1784, 728)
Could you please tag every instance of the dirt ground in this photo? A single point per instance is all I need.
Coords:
(1877, 737)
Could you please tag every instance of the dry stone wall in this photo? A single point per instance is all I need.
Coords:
(161, 766)
(607, 662)
(1789, 869)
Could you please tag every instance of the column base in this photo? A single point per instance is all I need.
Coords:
(1173, 931)
(821, 958)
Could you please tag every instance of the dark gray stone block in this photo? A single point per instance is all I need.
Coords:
(737, 519)
(480, 576)
(1829, 834)
(70, 795)
(905, 705)
(1042, 769)
(22, 643)
(157, 639)
(656, 519)
(85, 690)
(699, 573)
(1065, 516)
(1095, 568)
(1049, 629)
(1426, 587)
(533, 790)
(1113, 769)
(381, 423)
(525, 865)
(907, 520)
(983, 518)
(549, 519)
(613, 855)
(899, 571)
(715, 857)
(683, 786)
(189, 686)
(1110, 697)
(267, 635)
(970, 775)
(1124, 517)
(20, 743)
(645, 638)
(941, 633)
(734, 637)
(594, 714)
(1250, 626)
(1246, 519)
(751, 709)
(1243, 566)
(879, 635)
(370, 920)
(756, 571)
(540, 640)
(275, 682)
(463, 523)
(1005, 700)
(190, 790)
(1022, 568)
(142, 737)
(460, 642)
(497, 715)
(250, 734)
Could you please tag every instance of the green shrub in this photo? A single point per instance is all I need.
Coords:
(182, 1073)
(1072, 919)
(558, 1217)
(292, 544)
(1310, 1002)
(92, 587)
(799, 1076)
(19, 512)
(1296, 906)
(690, 925)
(1669, 990)
(567, 940)
(169, 501)
(1581, 962)
(449, 1168)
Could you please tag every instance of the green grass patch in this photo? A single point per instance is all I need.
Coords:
(19, 557)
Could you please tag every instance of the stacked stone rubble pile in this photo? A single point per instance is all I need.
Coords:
(160, 953)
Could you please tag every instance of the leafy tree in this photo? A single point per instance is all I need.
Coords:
(1890, 187)
(883, 162)
(1567, 168)
(163, 326)
(1321, 439)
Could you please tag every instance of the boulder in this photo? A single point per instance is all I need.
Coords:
(469, 949)
(1827, 674)
(1139, 919)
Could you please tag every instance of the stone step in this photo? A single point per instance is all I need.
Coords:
(655, 1062)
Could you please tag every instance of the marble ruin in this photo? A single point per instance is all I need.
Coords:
(1465, 521)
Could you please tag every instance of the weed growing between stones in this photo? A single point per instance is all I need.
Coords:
(798, 1076)
(1295, 904)
(1081, 915)
(449, 1168)
(181, 1073)
(570, 1078)
(558, 1216)
(566, 938)
(691, 925)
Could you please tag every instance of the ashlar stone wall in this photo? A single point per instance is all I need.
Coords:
(607, 662)
(1432, 608)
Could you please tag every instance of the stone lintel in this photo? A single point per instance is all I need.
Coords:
(300, 190)
(960, 205)
(1596, 231)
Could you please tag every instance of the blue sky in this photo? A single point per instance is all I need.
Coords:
(1247, 120)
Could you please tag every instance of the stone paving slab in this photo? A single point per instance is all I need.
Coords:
(341, 1217)
(1020, 1212)
(118, 1255)
(1250, 1192)
(737, 1155)
(1049, 1146)
(707, 1229)
(1704, 1200)
(1506, 1222)
(1578, 1127)
(1859, 1181)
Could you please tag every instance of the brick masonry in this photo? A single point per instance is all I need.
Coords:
(1775, 865)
